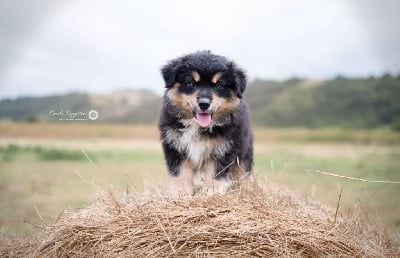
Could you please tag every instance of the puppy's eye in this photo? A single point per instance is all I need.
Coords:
(219, 85)
(191, 84)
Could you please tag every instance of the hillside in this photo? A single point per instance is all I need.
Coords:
(123, 106)
(340, 102)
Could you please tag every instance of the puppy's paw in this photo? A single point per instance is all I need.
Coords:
(178, 188)
(217, 186)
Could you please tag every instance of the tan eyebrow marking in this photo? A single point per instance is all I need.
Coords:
(196, 76)
(216, 77)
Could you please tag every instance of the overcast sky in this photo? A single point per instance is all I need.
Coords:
(54, 47)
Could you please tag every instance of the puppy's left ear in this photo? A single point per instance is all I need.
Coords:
(240, 79)
(169, 72)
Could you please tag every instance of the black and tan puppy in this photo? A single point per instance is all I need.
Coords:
(204, 122)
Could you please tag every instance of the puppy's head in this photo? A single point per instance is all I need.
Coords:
(204, 87)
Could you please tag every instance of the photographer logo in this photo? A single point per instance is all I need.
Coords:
(93, 114)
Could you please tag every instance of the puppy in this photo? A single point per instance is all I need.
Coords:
(204, 122)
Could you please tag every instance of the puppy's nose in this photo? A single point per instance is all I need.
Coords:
(204, 103)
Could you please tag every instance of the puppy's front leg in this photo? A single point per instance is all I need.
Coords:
(182, 183)
(212, 182)
(180, 170)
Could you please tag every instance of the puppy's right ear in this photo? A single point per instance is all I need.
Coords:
(169, 72)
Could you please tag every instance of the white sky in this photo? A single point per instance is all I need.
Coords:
(55, 47)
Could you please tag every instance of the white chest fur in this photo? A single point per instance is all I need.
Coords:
(198, 148)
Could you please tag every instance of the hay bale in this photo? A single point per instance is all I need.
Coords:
(246, 222)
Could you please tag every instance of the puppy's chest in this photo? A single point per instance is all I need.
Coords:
(199, 148)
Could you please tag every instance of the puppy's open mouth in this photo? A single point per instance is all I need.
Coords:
(203, 119)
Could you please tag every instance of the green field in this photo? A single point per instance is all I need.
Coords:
(48, 168)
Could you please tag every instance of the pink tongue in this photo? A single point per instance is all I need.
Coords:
(204, 119)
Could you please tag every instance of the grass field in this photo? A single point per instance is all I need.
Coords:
(46, 168)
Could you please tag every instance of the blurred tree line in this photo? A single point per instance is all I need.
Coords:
(340, 102)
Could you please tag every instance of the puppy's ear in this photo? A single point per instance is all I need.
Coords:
(169, 72)
(240, 79)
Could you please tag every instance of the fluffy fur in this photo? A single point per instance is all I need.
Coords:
(204, 122)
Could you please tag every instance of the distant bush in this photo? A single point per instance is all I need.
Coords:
(8, 153)
(54, 154)
(12, 151)
(396, 124)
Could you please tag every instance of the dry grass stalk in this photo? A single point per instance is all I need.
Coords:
(338, 204)
(351, 178)
(250, 221)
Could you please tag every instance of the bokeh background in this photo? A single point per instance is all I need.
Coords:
(324, 91)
